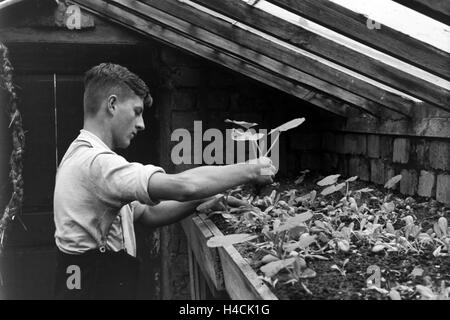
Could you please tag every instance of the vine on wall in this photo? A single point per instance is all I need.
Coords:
(14, 205)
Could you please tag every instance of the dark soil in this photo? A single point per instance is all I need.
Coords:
(395, 267)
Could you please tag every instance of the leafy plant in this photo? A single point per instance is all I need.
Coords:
(293, 228)
(240, 135)
(341, 269)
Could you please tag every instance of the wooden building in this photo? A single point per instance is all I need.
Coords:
(375, 93)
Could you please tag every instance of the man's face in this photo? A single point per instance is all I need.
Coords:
(127, 120)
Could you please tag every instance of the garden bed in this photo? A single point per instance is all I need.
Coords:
(224, 269)
(341, 240)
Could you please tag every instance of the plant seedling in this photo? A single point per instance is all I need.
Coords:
(239, 135)
(341, 269)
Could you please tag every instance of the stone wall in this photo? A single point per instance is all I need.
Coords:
(424, 163)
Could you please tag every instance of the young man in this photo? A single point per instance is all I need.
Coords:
(99, 195)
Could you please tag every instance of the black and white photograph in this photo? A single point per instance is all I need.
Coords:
(225, 155)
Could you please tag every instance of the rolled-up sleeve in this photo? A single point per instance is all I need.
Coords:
(118, 182)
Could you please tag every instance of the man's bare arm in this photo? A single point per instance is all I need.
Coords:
(165, 213)
(206, 181)
(168, 212)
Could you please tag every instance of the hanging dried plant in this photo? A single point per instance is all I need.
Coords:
(14, 205)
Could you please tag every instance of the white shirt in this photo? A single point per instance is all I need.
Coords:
(95, 194)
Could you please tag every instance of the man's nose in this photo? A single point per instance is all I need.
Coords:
(140, 125)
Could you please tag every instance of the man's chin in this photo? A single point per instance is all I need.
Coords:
(125, 144)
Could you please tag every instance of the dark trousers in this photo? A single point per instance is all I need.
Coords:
(96, 275)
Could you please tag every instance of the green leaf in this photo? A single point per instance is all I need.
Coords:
(378, 248)
(288, 125)
(308, 273)
(364, 190)
(425, 292)
(313, 195)
(394, 295)
(443, 224)
(291, 246)
(332, 189)
(306, 240)
(437, 252)
(352, 179)
(320, 224)
(393, 181)
(343, 245)
(295, 221)
(239, 135)
(297, 231)
(317, 256)
(329, 180)
(380, 290)
(300, 263)
(273, 195)
(222, 241)
(417, 272)
(272, 268)
(269, 258)
(291, 200)
(268, 209)
(390, 228)
(424, 237)
(437, 230)
(388, 207)
(244, 124)
(299, 266)
(409, 220)
(300, 179)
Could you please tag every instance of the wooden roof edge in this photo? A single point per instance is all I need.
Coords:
(355, 25)
(399, 75)
(293, 65)
(6, 3)
(435, 9)
(168, 36)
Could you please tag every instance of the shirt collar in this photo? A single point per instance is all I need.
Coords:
(90, 137)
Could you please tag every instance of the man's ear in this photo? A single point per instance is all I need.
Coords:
(111, 103)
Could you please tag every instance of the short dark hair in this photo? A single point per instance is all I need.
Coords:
(101, 79)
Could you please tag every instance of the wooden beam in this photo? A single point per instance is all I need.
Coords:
(290, 59)
(385, 39)
(398, 76)
(436, 9)
(170, 37)
(102, 34)
(7, 3)
(279, 69)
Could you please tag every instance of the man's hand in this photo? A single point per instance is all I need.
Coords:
(217, 203)
(236, 202)
(265, 170)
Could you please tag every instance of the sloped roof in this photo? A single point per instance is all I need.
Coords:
(331, 53)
